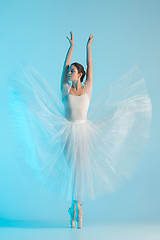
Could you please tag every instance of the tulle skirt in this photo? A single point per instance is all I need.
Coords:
(80, 160)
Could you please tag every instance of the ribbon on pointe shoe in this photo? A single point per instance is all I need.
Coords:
(78, 217)
(72, 213)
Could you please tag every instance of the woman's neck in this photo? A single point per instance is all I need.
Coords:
(76, 85)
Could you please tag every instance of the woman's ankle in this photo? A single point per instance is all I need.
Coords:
(77, 203)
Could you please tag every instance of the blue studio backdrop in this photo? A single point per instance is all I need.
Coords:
(125, 34)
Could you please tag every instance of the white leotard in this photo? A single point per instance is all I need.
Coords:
(76, 107)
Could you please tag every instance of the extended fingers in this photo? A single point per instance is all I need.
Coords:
(90, 39)
(91, 36)
(71, 35)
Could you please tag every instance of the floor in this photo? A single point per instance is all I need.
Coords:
(92, 232)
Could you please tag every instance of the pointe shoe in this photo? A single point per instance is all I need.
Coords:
(72, 213)
(79, 214)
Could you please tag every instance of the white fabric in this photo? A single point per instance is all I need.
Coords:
(87, 87)
(77, 147)
(76, 107)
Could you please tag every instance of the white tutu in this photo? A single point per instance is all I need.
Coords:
(84, 159)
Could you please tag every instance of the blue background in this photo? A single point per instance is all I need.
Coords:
(126, 33)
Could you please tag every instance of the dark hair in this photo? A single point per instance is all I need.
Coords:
(80, 69)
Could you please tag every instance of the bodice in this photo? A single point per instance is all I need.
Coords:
(76, 107)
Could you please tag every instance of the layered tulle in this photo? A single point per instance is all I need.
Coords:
(84, 159)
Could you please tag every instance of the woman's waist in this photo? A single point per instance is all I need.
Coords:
(76, 120)
(78, 117)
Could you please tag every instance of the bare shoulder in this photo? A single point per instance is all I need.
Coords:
(65, 89)
(65, 85)
(88, 83)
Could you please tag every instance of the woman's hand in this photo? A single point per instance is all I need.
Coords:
(90, 40)
(71, 40)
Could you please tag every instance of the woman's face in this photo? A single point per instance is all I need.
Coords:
(73, 74)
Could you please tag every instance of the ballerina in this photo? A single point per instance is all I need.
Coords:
(75, 73)
(79, 148)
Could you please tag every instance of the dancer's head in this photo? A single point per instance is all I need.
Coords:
(76, 71)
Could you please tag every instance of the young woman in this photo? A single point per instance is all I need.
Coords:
(76, 109)
(77, 147)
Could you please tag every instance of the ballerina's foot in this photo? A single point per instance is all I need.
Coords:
(72, 213)
(79, 215)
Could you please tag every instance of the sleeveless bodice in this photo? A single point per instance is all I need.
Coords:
(76, 107)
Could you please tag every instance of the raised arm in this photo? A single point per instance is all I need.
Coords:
(67, 61)
(89, 75)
